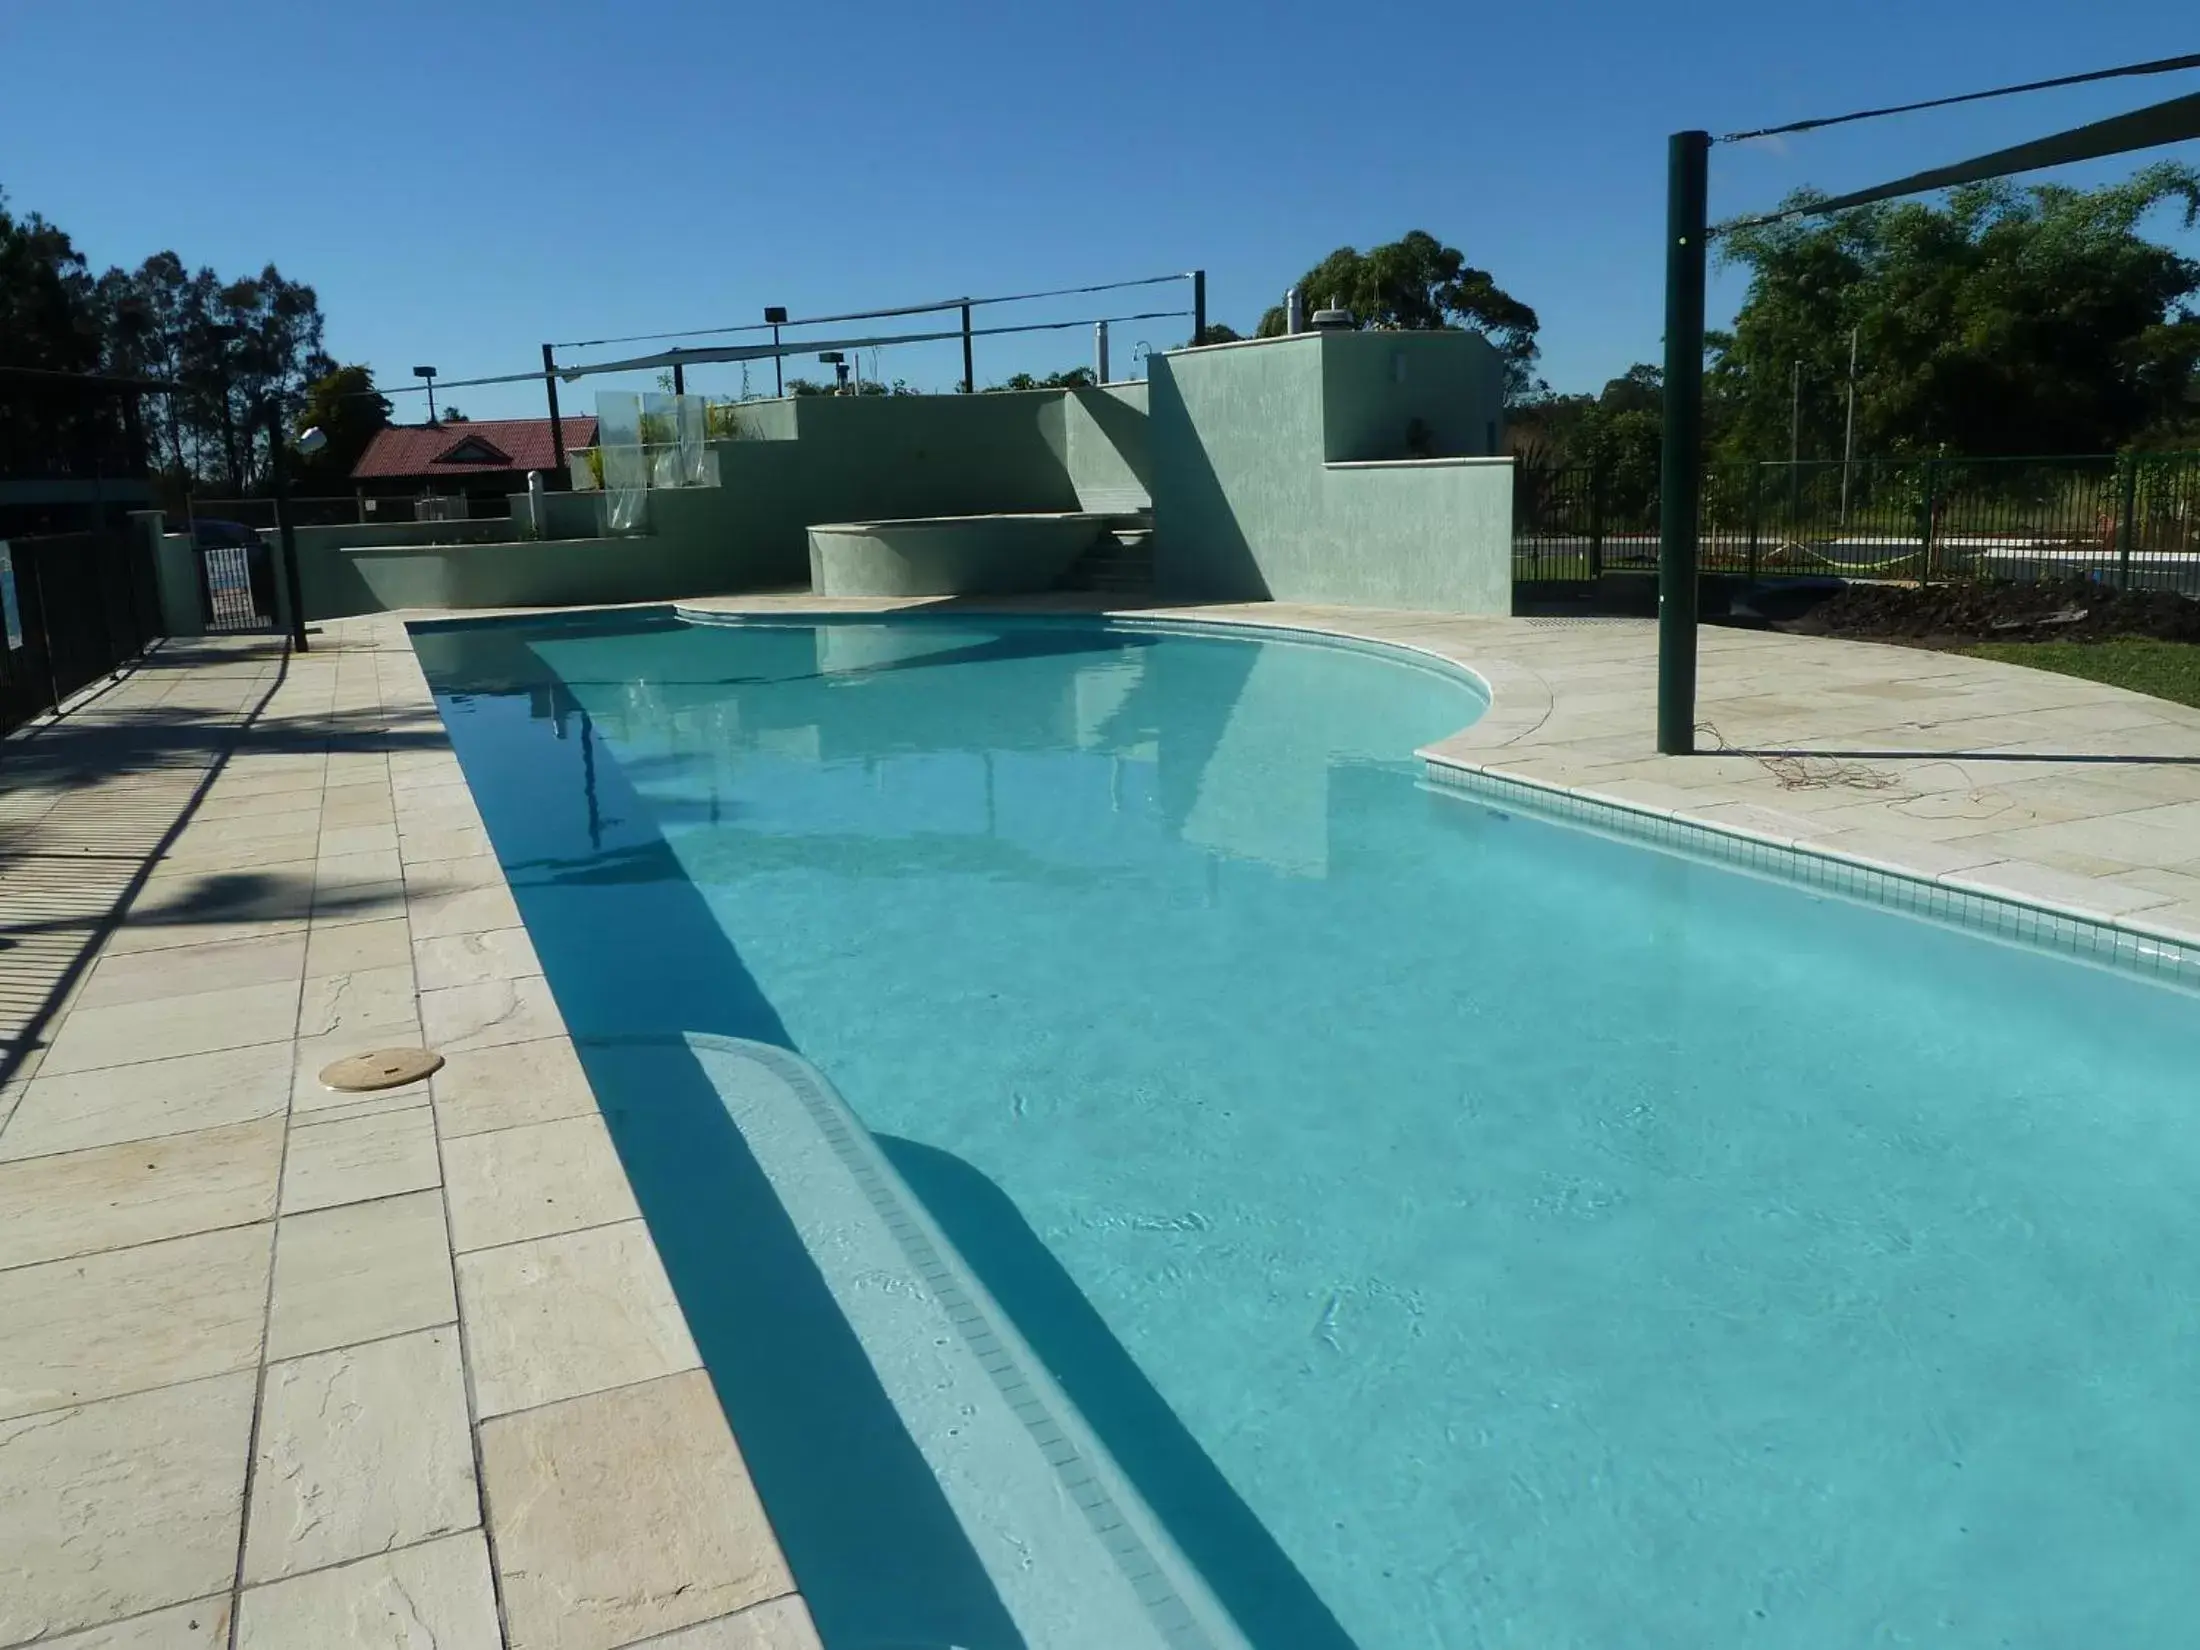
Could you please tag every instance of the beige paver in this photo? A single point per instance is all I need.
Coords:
(202, 1624)
(510, 1085)
(352, 1159)
(358, 1002)
(534, 1181)
(488, 1013)
(107, 1196)
(98, 1326)
(468, 959)
(140, 976)
(556, 1317)
(189, 1092)
(436, 1596)
(114, 1508)
(341, 948)
(776, 1624)
(361, 1450)
(630, 1512)
(155, 1029)
(359, 1272)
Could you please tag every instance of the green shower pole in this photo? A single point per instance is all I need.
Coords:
(1688, 158)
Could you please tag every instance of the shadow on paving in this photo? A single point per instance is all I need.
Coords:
(68, 875)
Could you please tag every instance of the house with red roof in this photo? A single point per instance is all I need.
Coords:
(485, 458)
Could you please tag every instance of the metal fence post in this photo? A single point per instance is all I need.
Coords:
(278, 472)
(1596, 517)
(1925, 525)
(1756, 498)
(2127, 508)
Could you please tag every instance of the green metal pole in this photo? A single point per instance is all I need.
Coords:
(1687, 188)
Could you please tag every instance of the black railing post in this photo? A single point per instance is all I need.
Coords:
(278, 472)
(1756, 492)
(1596, 517)
(2127, 509)
(1926, 515)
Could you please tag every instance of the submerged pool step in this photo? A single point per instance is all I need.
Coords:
(1078, 1560)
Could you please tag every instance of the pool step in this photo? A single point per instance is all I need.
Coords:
(1122, 562)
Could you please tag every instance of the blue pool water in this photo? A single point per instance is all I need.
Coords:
(1461, 1230)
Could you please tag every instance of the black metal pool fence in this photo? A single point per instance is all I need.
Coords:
(2129, 520)
(76, 606)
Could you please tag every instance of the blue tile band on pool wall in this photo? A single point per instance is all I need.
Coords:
(2149, 956)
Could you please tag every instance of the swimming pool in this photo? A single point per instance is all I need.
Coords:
(1454, 1229)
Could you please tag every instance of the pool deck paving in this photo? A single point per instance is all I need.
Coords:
(281, 1366)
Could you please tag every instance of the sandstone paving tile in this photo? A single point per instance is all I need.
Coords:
(488, 1013)
(533, 1181)
(469, 959)
(559, 1316)
(160, 1027)
(97, 1326)
(361, 1449)
(436, 1596)
(353, 1159)
(184, 971)
(115, 1508)
(510, 1085)
(623, 1514)
(358, 1272)
(107, 1197)
(156, 1097)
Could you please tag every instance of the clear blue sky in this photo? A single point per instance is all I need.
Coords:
(463, 181)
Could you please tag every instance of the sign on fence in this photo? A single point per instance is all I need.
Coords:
(13, 614)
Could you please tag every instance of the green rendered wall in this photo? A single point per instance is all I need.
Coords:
(1279, 472)
(1104, 448)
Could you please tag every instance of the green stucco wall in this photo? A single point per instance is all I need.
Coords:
(1104, 448)
(556, 573)
(1257, 488)
(948, 556)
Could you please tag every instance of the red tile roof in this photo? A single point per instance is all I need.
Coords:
(484, 446)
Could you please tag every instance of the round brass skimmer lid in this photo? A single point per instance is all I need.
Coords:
(381, 1068)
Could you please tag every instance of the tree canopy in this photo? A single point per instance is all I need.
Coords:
(343, 406)
(2002, 320)
(1418, 284)
(236, 345)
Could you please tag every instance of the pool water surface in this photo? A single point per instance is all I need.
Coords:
(1461, 1230)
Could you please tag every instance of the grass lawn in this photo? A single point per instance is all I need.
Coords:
(2168, 670)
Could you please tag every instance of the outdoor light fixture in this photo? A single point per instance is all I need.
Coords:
(312, 441)
(775, 317)
(429, 374)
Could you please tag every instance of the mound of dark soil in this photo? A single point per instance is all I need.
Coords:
(2073, 610)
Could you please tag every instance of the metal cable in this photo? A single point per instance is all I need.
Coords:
(873, 314)
(2165, 65)
(583, 369)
